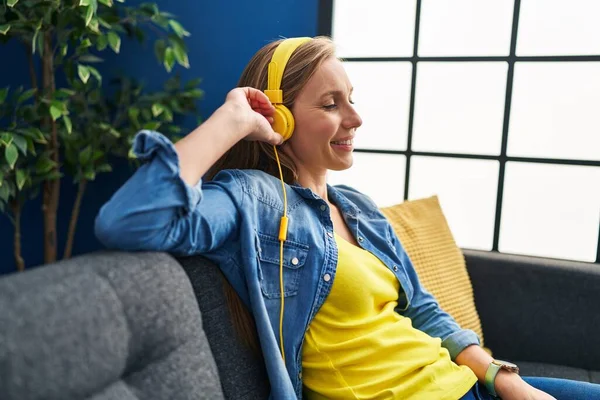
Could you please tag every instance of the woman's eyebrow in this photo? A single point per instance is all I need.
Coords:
(334, 93)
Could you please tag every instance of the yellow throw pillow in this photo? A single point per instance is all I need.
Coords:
(425, 235)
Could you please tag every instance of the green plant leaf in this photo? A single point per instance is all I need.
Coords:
(181, 56)
(11, 154)
(83, 72)
(157, 109)
(107, 3)
(85, 155)
(12, 3)
(178, 29)
(159, 50)
(44, 165)
(90, 58)
(89, 175)
(26, 95)
(89, 13)
(169, 59)
(55, 112)
(85, 43)
(21, 178)
(21, 143)
(4, 193)
(34, 41)
(4, 29)
(68, 124)
(30, 146)
(95, 72)
(64, 93)
(97, 154)
(114, 41)
(3, 94)
(152, 126)
(6, 138)
(104, 168)
(83, 3)
(193, 83)
(101, 42)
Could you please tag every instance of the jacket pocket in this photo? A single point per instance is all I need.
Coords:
(294, 258)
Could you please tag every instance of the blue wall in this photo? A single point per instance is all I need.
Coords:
(225, 34)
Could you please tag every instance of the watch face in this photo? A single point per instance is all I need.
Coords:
(507, 365)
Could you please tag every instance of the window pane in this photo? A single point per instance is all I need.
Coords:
(467, 192)
(554, 112)
(379, 176)
(382, 98)
(558, 27)
(384, 28)
(551, 211)
(459, 107)
(465, 28)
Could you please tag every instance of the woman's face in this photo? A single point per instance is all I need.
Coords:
(326, 122)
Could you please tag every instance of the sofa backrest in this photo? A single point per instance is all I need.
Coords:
(242, 372)
(104, 326)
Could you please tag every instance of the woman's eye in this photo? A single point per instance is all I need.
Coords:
(330, 106)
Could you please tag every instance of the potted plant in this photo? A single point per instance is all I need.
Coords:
(75, 130)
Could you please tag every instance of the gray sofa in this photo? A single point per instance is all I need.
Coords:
(149, 326)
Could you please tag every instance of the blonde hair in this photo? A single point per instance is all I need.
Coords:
(305, 60)
(301, 66)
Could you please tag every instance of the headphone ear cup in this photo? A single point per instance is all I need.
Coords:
(283, 121)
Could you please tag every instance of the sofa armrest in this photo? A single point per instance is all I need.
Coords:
(536, 309)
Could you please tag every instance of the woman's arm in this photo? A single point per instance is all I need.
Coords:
(426, 314)
(508, 385)
(165, 206)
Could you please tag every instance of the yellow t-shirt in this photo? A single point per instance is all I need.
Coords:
(358, 347)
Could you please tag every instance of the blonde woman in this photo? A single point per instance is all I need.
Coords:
(356, 323)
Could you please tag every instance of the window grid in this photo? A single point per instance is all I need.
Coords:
(325, 28)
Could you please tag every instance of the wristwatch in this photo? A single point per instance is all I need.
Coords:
(492, 371)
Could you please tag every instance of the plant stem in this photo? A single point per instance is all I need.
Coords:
(16, 209)
(52, 187)
(74, 218)
(32, 73)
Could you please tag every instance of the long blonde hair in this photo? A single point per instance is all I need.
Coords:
(301, 66)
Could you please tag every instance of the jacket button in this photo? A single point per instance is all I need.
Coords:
(395, 268)
(326, 277)
(295, 261)
(360, 239)
(323, 207)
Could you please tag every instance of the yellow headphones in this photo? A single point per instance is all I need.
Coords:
(283, 119)
(283, 123)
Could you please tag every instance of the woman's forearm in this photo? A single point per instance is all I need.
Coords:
(200, 149)
(475, 358)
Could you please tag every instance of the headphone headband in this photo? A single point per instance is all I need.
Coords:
(281, 56)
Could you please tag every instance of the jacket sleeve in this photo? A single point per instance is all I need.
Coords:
(427, 316)
(156, 210)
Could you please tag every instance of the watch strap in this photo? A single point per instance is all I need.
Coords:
(490, 378)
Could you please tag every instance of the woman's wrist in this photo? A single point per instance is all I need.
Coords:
(237, 116)
(507, 382)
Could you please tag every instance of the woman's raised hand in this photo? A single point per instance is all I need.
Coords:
(256, 114)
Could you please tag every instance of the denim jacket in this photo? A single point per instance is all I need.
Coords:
(234, 219)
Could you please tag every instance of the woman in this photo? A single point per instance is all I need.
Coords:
(356, 321)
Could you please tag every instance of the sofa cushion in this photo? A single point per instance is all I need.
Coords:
(425, 235)
(557, 371)
(104, 326)
(242, 372)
